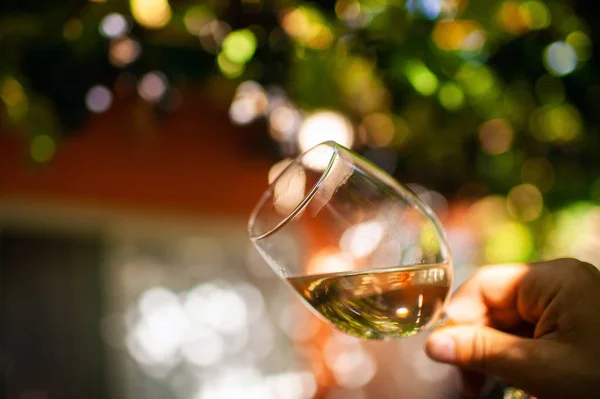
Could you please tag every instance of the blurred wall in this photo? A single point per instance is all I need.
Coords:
(192, 162)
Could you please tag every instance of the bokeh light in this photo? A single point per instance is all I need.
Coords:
(525, 203)
(362, 239)
(352, 13)
(536, 14)
(329, 261)
(152, 14)
(575, 233)
(153, 86)
(352, 366)
(358, 82)
(496, 136)
(582, 45)
(113, 26)
(43, 148)
(196, 18)
(284, 122)
(379, 129)
(308, 27)
(430, 9)
(513, 17)
(98, 99)
(560, 58)
(124, 51)
(13, 95)
(239, 46)
(249, 103)
(421, 78)
(451, 96)
(212, 35)
(451, 34)
(323, 126)
(511, 242)
(477, 80)
(560, 124)
(229, 68)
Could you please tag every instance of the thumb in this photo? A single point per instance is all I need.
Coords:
(519, 361)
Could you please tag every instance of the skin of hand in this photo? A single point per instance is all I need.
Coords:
(535, 326)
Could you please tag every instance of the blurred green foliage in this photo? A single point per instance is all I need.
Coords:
(479, 97)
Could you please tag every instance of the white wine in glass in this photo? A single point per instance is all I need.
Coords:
(378, 304)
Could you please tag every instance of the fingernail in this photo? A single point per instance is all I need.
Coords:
(441, 348)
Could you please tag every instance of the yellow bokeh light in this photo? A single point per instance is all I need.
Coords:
(421, 78)
(42, 148)
(513, 19)
(510, 242)
(536, 14)
(229, 68)
(308, 27)
(379, 129)
(430, 240)
(582, 45)
(14, 97)
(572, 226)
(561, 123)
(451, 34)
(196, 18)
(525, 203)
(477, 80)
(348, 10)
(487, 214)
(152, 14)
(239, 46)
(451, 96)
(360, 86)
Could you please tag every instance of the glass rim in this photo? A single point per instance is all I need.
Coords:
(305, 199)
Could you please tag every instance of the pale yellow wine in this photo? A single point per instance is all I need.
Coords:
(378, 304)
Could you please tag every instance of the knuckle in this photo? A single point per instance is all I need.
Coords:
(574, 270)
(588, 269)
(579, 268)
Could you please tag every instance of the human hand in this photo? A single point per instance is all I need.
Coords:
(535, 326)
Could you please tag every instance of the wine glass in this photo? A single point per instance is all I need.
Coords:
(360, 249)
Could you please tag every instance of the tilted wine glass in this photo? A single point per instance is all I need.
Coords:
(361, 250)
